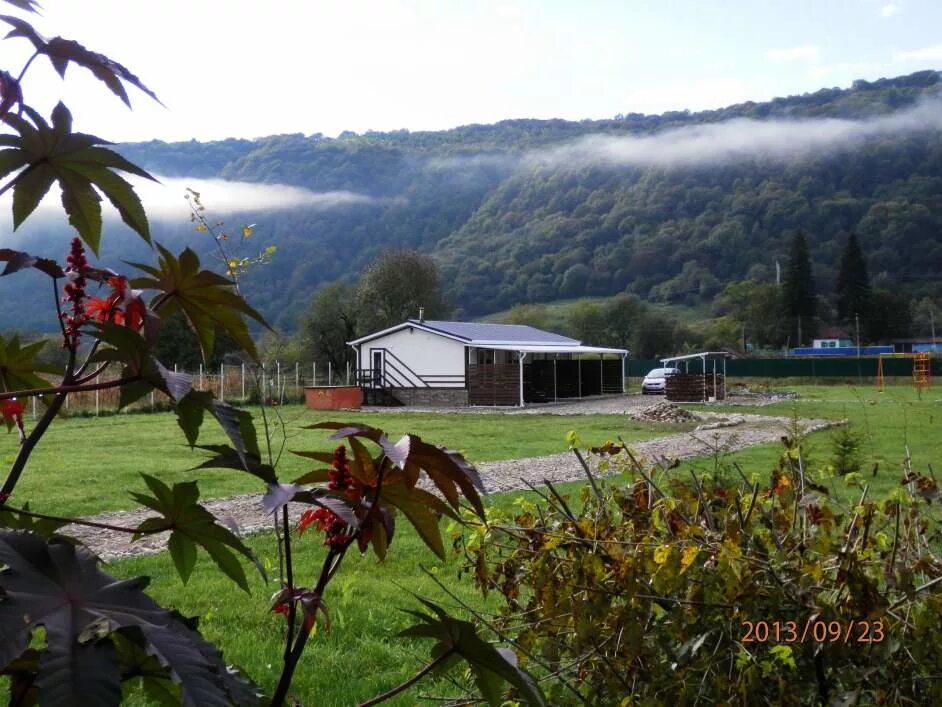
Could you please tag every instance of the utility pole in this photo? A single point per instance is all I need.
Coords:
(857, 325)
(932, 324)
(799, 331)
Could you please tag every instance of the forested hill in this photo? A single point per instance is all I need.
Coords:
(670, 207)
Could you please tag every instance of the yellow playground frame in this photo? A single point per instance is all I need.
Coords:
(922, 369)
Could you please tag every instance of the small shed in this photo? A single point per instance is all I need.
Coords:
(704, 385)
(430, 362)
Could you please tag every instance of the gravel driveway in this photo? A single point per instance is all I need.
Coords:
(737, 431)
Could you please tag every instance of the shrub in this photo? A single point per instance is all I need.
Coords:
(674, 588)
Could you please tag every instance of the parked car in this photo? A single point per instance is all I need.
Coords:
(656, 381)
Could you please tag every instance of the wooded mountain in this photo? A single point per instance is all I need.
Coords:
(670, 207)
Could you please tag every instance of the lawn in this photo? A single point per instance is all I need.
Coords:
(85, 465)
(889, 422)
(362, 656)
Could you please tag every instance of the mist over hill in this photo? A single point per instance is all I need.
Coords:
(670, 207)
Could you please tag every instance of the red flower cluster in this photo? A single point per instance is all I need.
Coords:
(340, 478)
(123, 306)
(12, 411)
(328, 522)
(75, 293)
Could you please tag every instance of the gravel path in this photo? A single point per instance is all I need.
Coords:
(245, 512)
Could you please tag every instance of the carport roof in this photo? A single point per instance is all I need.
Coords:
(555, 349)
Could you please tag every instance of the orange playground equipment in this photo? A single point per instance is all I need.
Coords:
(922, 370)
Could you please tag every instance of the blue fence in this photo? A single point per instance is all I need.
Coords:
(843, 351)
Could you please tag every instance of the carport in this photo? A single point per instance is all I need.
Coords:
(696, 387)
(549, 373)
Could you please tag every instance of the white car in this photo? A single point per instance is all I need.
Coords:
(656, 381)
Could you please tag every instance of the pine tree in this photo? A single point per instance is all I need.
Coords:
(853, 283)
(798, 290)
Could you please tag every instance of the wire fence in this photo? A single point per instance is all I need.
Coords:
(274, 384)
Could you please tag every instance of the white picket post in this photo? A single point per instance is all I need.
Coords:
(222, 381)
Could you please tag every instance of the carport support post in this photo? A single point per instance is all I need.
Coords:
(555, 397)
(520, 356)
(703, 369)
(601, 374)
(623, 357)
(580, 376)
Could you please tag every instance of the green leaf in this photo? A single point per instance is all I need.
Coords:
(491, 666)
(62, 52)
(78, 163)
(181, 513)
(183, 552)
(82, 205)
(206, 299)
(227, 458)
(18, 365)
(59, 587)
(41, 526)
(420, 515)
(29, 189)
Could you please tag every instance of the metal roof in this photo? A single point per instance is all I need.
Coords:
(488, 333)
(480, 334)
(557, 349)
(705, 355)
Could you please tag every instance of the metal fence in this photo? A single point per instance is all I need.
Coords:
(804, 367)
(273, 383)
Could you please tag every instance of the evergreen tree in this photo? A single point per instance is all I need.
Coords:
(853, 283)
(799, 291)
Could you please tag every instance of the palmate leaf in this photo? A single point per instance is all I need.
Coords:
(58, 586)
(192, 525)
(206, 299)
(27, 5)
(423, 511)
(449, 471)
(491, 666)
(53, 153)
(18, 365)
(17, 260)
(63, 52)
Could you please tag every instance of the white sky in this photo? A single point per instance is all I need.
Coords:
(244, 68)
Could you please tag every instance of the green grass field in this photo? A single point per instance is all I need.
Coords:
(88, 464)
(85, 465)
(889, 422)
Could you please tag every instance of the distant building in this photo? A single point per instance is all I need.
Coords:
(923, 345)
(477, 363)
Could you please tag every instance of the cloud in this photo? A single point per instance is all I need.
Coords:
(165, 201)
(933, 53)
(806, 52)
(888, 11)
(735, 140)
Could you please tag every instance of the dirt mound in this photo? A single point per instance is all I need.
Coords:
(663, 412)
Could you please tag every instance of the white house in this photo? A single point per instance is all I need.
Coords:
(469, 363)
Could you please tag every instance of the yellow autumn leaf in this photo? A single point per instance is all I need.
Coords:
(201, 227)
(687, 556)
(662, 554)
(247, 230)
